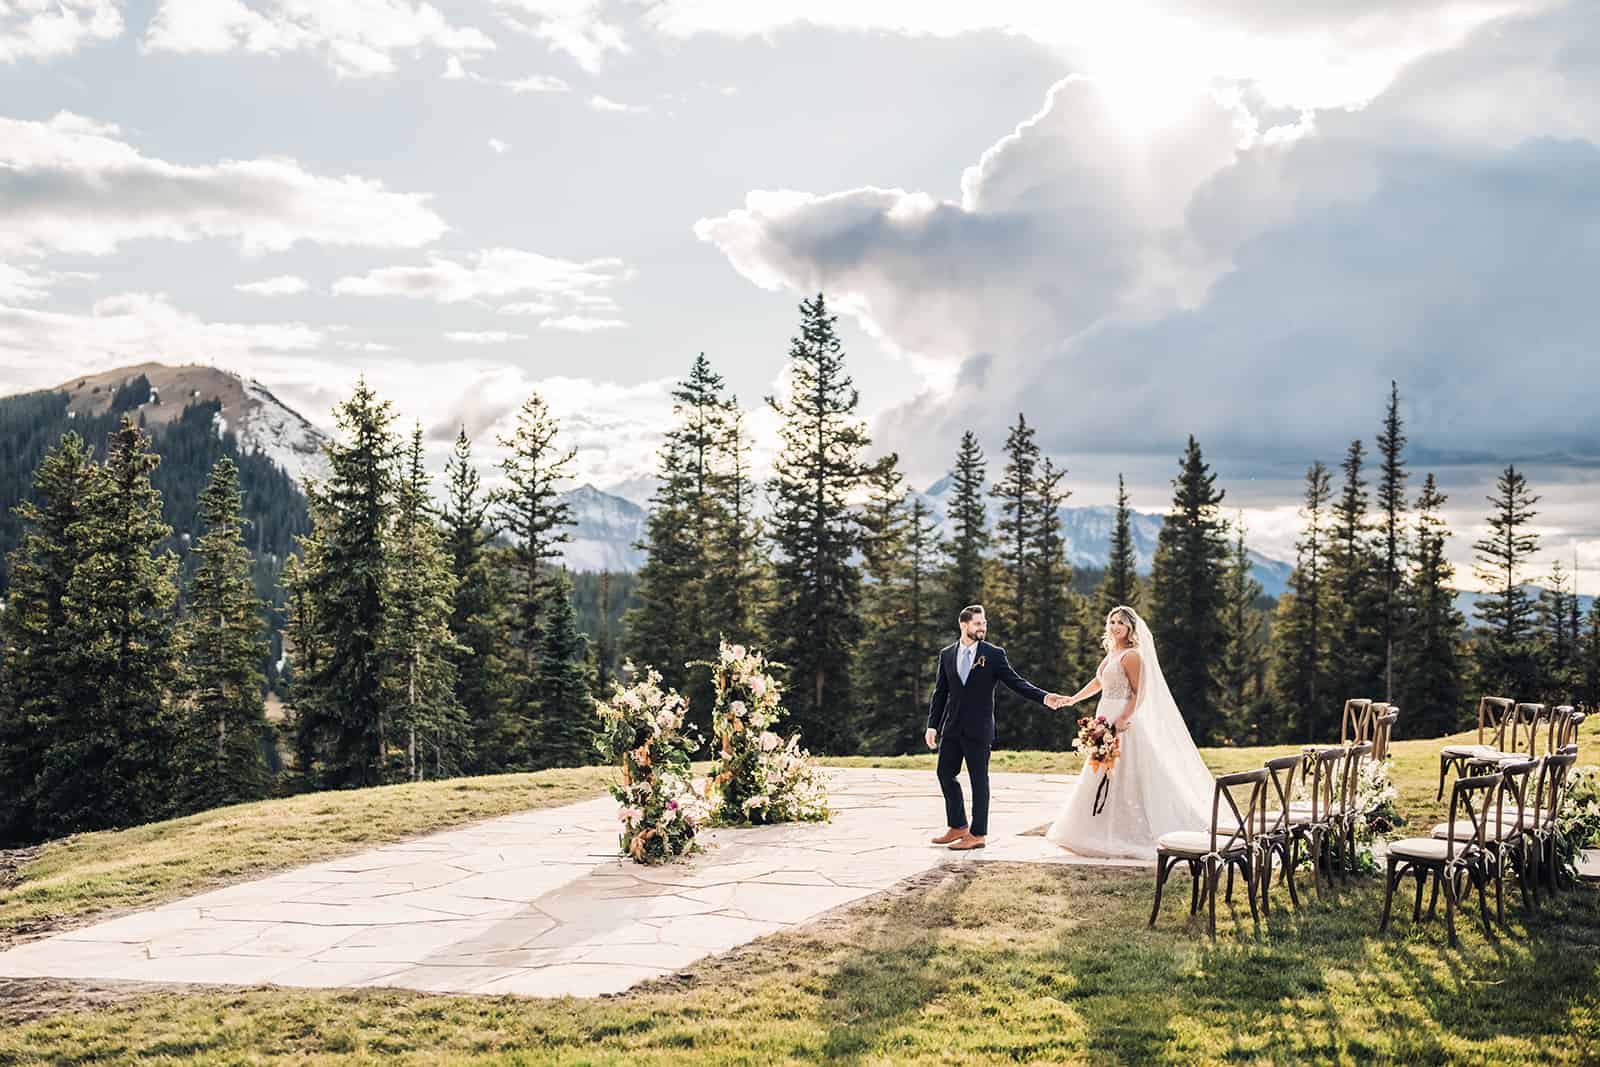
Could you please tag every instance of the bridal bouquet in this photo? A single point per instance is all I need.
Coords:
(642, 729)
(1098, 741)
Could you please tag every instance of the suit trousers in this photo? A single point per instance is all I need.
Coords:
(953, 748)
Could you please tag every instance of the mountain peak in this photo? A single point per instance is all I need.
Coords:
(261, 422)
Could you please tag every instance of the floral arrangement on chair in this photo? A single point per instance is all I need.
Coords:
(641, 728)
(759, 776)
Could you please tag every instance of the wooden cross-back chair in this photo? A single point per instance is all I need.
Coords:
(1496, 715)
(1382, 731)
(1355, 724)
(1456, 864)
(1315, 819)
(1281, 827)
(1229, 844)
(1505, 834)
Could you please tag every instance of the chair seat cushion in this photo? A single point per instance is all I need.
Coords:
(1466, 832)
(1197, 842)
(1419, 848)
(1296, 817)
(1470, 750)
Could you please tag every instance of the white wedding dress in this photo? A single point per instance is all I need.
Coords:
(1159, 782)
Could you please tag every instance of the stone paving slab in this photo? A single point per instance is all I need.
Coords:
(540, 904)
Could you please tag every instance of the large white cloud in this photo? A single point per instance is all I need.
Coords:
(357, 38)
(45, 29)
(582, 29)
(74, 185)
(1259, 291)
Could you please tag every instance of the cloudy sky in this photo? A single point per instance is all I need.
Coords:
(1233, 218)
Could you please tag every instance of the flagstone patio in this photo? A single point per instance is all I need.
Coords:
(539, 903)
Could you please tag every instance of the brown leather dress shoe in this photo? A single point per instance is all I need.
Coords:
(968, 841)
(955, 833)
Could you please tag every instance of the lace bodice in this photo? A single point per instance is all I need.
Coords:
(1114, 680)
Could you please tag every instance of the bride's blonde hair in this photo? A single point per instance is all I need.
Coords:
(1128, 620)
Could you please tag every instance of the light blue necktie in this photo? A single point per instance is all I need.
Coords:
(965, 666)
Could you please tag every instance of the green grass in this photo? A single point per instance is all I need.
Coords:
(981, 963)
(978, 963)
(91, 875)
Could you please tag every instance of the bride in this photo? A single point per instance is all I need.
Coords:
(1159, 783)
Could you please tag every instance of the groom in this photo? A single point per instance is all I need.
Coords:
(961, 723)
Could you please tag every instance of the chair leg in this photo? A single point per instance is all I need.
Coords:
(1194, 887)
(1443, 764)
(1433, 898)
(1388, 896)
(1250, 882)
(1449, 904)
(1230, 883)
(1163, 868)
(1500, 884)
(1294, 895)
(1482, 877)
(1422, 880)
(1213, 875)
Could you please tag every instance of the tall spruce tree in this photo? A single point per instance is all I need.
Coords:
(1121, 583)
(1016, 493)
(343, 711)
(1506, 654)
(1430, 689)
(429, 720)
(110, 763)
(1591, 655)
(674, 624)
(1558, 639)
(221, 644)
(736, 573)
(1355, 654)
(1392, 510)
(814, 622)
(1300, 630)
(1050, 634)
(1241, 673)
(529, 508)
(964, 575)
(600, 651)
(1186, 585)
(477, 612)
(39, 695)
(566, 701)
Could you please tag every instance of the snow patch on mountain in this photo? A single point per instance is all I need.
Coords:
(269, 427)
(605, 531)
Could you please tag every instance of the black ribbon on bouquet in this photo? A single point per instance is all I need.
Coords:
(1102, 792)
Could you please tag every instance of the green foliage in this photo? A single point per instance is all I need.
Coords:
(1186, 585)
(1300, 629)
(107, 759)
(897, 657)
(1432, 689)
(814, 619)
(340, 698)
(1507, 653)
(221, 644)
(566, 703)
(1121, 583)
(1241, 673)
(428, 717)
(1355, 596)
(964, 575)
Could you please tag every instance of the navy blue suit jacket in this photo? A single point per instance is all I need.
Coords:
(969, 709)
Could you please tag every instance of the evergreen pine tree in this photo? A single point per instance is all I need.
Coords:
(736, 572)
(1241, 674)
(1506, 653)
(1392, 508)
(887, 660)
(1557, 641)
(814, 620)
(112, 764)
(1355, 655)
(1430, 689)
(601, 650)
(343, 725)
(38, 694)
(530, 509)
(1186, 586)
(477, 612)
(964, 575)
(1300, 629)
(429, 720)
(1591, 656)
(221, 644)
(1049, 636)
(566, 704)
(1016, 541)
(1121, 584)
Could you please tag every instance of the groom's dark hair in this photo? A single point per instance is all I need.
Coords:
(970, 610)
